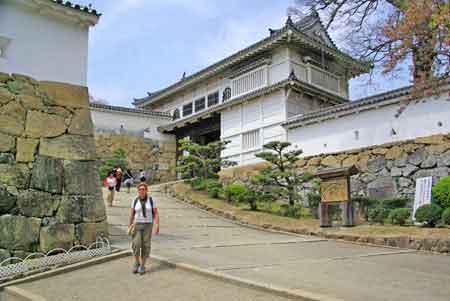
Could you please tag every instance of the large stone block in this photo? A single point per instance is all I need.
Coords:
(93, 208)
(48, 174)
(44, 125)
(7, 142)
(17, 175)
(382, 187)
(7, 200)
(35, 203)
(12, 118)
(417, 157)
(87, 233)
(57, 236)
(69, 210)
(429, 162)
(19, 232)
(394, 153)
(69, 147)
(436, 173)
(26, 149)
(435, 139)
(30, 102)
(409, 169)
(65, 95)
(4, 254)
(376, 164)
(444, 159)
(81, 123)
(5, 96)
(331, 161)
(81, 177)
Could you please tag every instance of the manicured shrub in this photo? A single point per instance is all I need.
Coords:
(249, 197)
(399, 216)
(429, 214)
(394, 203)
(441, 192)
(446, 216)
(214, 188)
(364, 204)
(233, 191)
(198, 184)
(313, 200)
(378, 214)
(294, 211)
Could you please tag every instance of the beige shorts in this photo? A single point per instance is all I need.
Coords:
(142, 240)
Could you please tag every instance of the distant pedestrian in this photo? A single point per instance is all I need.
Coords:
(128, 179)
(144, 218)
(118, 175)
(110, 182)
(142, 176)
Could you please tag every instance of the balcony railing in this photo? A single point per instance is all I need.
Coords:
(318, 77)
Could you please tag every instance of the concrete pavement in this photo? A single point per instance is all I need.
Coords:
(298, 263)
(303, 265)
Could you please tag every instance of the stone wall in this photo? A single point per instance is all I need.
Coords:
(50, 192)
(156, 157)
(385, 170)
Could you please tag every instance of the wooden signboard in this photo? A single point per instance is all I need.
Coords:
(335, 190)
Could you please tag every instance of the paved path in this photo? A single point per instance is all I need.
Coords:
(113, 281)
(329, 268)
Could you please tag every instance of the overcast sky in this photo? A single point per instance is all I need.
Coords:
(145, 45)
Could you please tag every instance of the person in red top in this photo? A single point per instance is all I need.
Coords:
(110, 182)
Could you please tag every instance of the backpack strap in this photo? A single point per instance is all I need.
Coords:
(151, 204)
(134, 203)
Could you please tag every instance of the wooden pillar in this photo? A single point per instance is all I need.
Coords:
(325, 219)
(348, 214)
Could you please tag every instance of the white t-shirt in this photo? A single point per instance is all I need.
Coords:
(138, 215)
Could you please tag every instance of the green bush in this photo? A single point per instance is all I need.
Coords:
(249, 197)
(294, 211)
(378, 214)
(441, 192)
(364, 204)
(214, 188)
(233, 191)
(446, 216)
(198, 184)
(394, 203)
(313, 200)
(399, 216)
(429, 214)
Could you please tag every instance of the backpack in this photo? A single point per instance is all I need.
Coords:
(151, 204)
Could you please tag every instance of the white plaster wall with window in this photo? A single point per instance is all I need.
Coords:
(374, 127)
(252, 124)
(129, 123)
(44, 47)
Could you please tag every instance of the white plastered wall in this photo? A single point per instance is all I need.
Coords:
(374, 127)
(264, 114)
(129, 123)
(46, 48)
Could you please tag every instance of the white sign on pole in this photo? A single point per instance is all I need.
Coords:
(423, 193)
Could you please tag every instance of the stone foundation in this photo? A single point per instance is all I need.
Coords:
(385, 170)
(157, 158)
(50, 193)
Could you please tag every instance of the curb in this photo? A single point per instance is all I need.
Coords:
(297, 294)
(65, 269)
(18, 294)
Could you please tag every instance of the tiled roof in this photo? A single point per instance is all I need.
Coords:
(81, 8)
(103, 107)
(275, 35)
